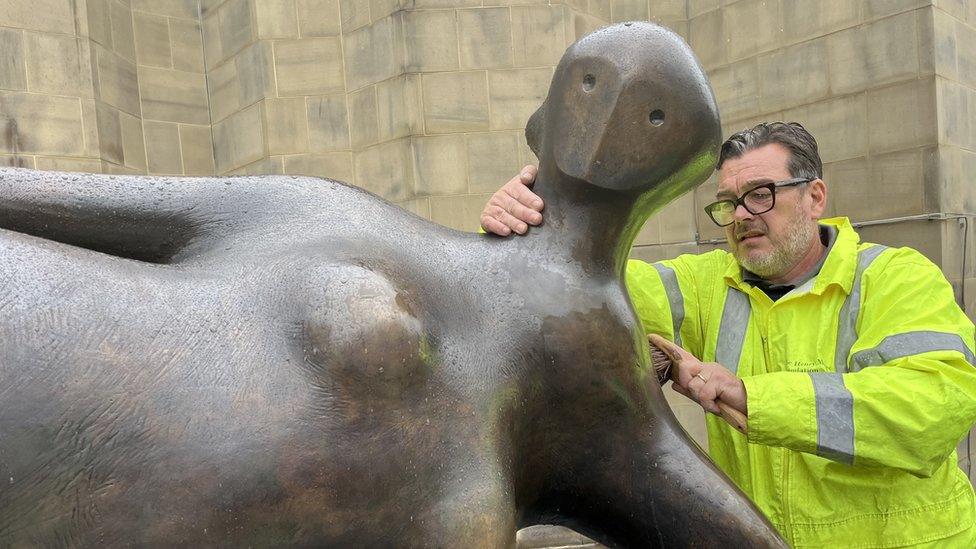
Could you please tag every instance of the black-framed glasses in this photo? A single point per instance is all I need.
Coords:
(756, 201)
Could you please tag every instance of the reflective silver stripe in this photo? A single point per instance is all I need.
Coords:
(908, 344)
(849, 311)
(675, 299)
(835, 417)
(732, 330)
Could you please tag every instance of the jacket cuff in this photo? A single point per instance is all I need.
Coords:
(782, 410)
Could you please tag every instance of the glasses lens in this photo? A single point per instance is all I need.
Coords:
(721, 212)
(759, 200)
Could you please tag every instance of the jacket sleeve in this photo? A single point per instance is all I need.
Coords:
(909, 395)
(666, 300)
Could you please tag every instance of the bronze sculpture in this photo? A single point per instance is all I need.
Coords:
(292, 361)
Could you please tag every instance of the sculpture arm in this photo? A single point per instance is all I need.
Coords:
(143, 218)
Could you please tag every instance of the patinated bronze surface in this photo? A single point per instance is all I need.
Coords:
(292, 361)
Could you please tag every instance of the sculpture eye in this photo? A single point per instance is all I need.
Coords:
(656, 117)
(589, 81)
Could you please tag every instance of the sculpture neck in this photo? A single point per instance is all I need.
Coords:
(594, 226)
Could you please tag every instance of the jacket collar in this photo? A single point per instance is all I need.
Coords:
(837, 269)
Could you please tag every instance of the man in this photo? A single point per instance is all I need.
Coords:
(851, 360)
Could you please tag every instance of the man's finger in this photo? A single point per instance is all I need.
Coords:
(502, 216)
(494, 226)
(520, 211)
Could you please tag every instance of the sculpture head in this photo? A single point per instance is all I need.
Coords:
(629, 109)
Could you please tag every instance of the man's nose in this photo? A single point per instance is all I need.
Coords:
(740, 213)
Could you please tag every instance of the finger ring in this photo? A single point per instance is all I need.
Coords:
(701, 377)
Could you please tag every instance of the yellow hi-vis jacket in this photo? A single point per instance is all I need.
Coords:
(860, 383)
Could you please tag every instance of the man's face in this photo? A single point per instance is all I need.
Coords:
(772, 243)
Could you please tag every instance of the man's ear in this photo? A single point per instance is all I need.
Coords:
(818, 195)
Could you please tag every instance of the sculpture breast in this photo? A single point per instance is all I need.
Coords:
(293, 361)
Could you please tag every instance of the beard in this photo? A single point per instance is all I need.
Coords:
(787, 250)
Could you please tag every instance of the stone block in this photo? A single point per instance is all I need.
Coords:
(152, 40)
(110, 144)
(41, 124)
(736, 88)
(186, 43)
(804, 19)
(839, 126)
(318, 17)
(430, 38)
(936, 43)
(363, 121)
(239, 140)
(235, 26)
(386, 170)
(924, 236)
(577, 25)
(441, 164)
(13, 64)
(485, 38)
(58, 64)
(876, 9)
(335, 165)
(538, 35)
(355, 14)
(515, 94)
(458, 212)
(425, 4)
(89, 121)
(705, 194)
(213, 50)
(286, 125)
(844, 178)
(255, 73)
(526, 156)
(893, 188)
(955, 8)
(966, 52)
(163, 148)
(677, 220)
(196, 149)
(455, 102)
(492, 160)
(629, 10)
(699, 7)
(601, 9)
(85, 165)
(272, 165)
(133, 142)
(753, 26)
(955, 113)
(186, 9)
(379, 9)
(417, 206)
(174, 96)
(398, 107)
(116, 83)
(793, 75)
(690, 415)
(954, 231)
(17, 161)
(123, 37)
(372, 54)
(902, 116)
(224, 89)
(653, 253)
(310, 66)
(276, 19)
(544, 535)
(55, 16)
(961, 189)
(649, 234)
(328, 127)
(100, 22)
(706, 36)
(669, 10)
(873, 55)
(115, 169)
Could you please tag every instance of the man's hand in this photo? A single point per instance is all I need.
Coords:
(704, 382)
(513, 207)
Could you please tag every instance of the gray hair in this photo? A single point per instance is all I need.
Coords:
(804, 156)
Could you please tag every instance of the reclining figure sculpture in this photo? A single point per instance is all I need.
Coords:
(257, 361)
